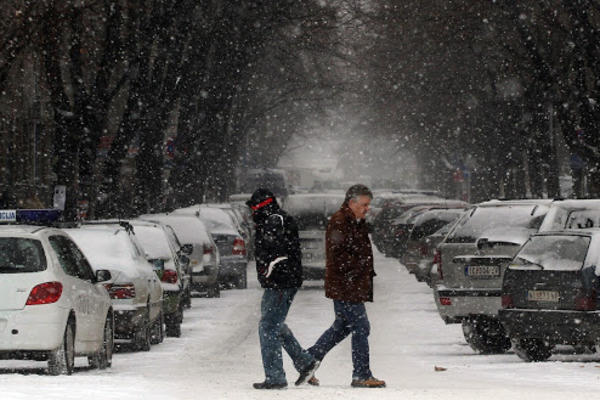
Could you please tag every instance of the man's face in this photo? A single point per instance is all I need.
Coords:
(360, 206)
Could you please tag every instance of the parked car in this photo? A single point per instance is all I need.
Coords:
(239, 219)
(400, 227)
(232, 247)
(420, 243)
(471, 264)
(428, 266)
(572, 214)
(311, 212)
(200, 247)
(161, 252)
(550, 293)
(53, 306)
(134, 288)
(382, 234)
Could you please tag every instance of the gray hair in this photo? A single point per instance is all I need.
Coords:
(355, 191)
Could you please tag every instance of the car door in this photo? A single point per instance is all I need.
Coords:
(76, 288)
(96, 294)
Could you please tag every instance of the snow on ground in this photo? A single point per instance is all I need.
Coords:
(218, 356)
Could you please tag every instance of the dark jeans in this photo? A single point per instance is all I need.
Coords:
(274, 333)
(349, 318)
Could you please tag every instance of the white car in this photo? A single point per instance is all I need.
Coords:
(135, 289)
(231, 244)
(159, 250)
(201, 249)
(52, 305)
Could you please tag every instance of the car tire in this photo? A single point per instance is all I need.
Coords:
(214, 290)
(242, 281)
(533, 350)
(174, 330)
(103, 358)
(62, 360)
(486, 335)
(158, 330)
(143, 337)
(188, 298)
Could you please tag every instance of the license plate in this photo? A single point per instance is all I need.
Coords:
(542, 295)
(482, 271)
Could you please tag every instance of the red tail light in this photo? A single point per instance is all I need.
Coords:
(239, 247)
(121, 291)
(437, 259)
(169, 276)
(586, 302)
(208, 249)
(45, 293)
(445, 301)
(507, 301)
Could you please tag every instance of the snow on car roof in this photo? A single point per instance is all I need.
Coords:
(188, 228)
(19, 229)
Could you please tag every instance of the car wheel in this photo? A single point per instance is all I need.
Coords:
(214, 290)
(62, 360)
(242, 281)
(486, 335)
(103, 358)
(188, 298)
(174, 330)
(158, 331)
(530, 349)
(143, 338)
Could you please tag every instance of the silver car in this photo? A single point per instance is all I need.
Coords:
(471, 263)
(311, 212)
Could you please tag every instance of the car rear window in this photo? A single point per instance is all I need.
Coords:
(19, 255)
(582, 219)
(554, 253)
(475, 223)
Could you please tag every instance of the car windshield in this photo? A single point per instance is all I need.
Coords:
(474, 223)
(554, 253)
(19, 255)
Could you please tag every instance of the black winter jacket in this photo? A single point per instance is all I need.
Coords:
(277, 236)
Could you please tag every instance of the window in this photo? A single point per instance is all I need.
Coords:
(19, 255)
(66, 258)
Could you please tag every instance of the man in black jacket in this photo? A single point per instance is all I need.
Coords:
(279, 270)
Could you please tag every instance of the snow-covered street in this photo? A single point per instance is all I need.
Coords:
(218, 356)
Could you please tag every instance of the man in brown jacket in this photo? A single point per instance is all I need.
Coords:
(349, 282)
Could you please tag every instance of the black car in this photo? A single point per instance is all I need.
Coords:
(550, 292)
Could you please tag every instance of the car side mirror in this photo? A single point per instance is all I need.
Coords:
(187, 249)
(103, 275)
(185, 260)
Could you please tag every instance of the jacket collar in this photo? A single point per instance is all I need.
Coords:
(350, 215)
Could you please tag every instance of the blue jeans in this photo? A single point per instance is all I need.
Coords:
(349, 318)
(274, 333)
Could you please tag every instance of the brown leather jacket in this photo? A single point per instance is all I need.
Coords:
(349, 272)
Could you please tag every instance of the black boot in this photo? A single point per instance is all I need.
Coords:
(308, 373)
(267, 385)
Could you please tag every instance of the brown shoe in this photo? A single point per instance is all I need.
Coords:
(313, 381)
(368, 383)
